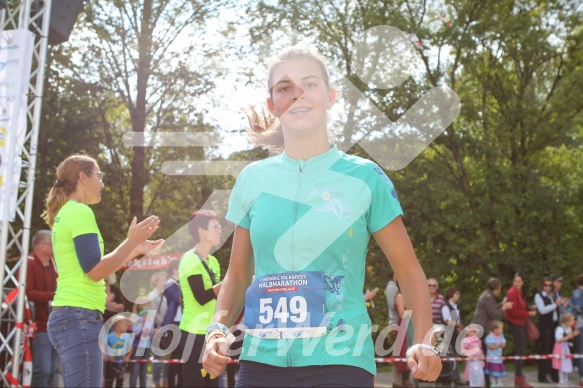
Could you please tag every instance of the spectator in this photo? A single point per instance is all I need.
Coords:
(437, 300)
(391, 290)
(41, 283)
(114, 302)
(488, 310)
(450, 314)
(235, 350)
(471, 347)
(142, 328)
(173, 316)
(118, 352)
(369, 296)
(76, 320)
(495, 342)
(576, 307)
(158, 302)
(450, 311)
(156, 296)
(547, 322)
(516, 317)
(402, 367)
(561, 301)
(563, 334)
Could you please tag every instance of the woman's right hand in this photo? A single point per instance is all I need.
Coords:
(148, 246)
(140, 232)
(532, 313)
(507, 305)
(214, 360)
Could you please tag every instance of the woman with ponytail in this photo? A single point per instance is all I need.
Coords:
(79, 302)
(303, 219)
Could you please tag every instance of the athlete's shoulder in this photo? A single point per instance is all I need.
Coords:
(78, 207)
(357, 160)
(73, 210)
(188, 262)
(363, 167)
(188, 255)
(262, 165)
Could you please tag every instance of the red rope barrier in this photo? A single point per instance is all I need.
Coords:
(528, 357)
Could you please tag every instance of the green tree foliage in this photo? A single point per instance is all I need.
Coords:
(500, 190)
(129, 68)
(138, 54)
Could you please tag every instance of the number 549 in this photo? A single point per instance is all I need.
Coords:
(296, 310)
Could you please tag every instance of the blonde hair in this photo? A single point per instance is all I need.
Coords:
(566, 318)
(264, 128)
(496, 324)
(65, 184)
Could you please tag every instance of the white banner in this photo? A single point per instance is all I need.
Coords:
(16, 50)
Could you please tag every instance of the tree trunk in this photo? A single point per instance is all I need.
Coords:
(138, 114)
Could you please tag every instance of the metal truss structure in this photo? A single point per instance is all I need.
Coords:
(35, 16)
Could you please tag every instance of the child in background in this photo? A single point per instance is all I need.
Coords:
(142, 329)
(472, 348)
(563, 333)
(495, 342)
(119, 347)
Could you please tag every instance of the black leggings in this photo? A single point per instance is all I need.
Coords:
(519, 334)
(192, 347)
(546, 342)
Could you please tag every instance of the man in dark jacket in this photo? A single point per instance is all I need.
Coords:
(41, 283)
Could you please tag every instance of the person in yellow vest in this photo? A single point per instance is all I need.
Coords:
(199, 273)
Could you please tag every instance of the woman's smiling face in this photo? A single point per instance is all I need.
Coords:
(299, 95)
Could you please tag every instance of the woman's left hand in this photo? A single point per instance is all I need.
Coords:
(424, 364)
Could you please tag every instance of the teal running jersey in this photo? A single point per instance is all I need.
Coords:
(310, 223)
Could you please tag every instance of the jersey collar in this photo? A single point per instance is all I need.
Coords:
(323, 160)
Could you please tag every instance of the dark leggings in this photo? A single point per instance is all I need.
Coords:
(192, 347)
(546, 342)
(519, 334)
(253, 374)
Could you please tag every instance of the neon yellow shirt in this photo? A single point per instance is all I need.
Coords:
(74, 287)
(196, 317)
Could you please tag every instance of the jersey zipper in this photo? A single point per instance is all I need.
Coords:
(301, 165)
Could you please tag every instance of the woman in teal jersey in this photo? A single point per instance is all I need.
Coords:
(304, 219)
(79, 302)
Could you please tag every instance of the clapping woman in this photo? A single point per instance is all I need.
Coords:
(79, 302)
